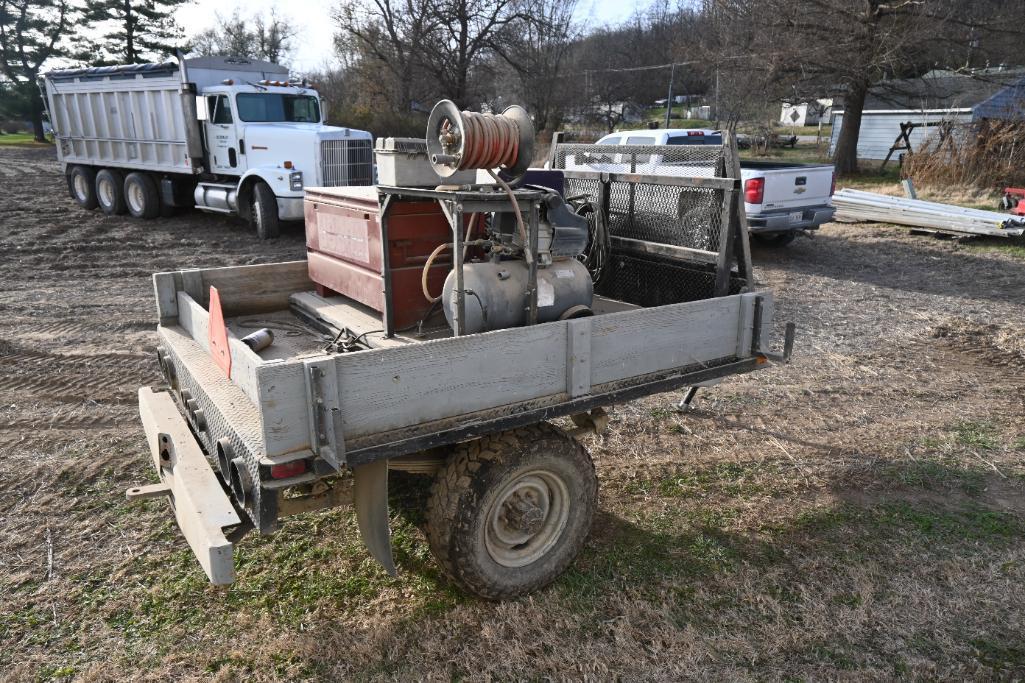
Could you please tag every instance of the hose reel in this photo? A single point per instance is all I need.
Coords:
(458, 141)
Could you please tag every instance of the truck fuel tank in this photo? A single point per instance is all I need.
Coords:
(496, 293)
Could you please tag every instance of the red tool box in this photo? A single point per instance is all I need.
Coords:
(347, 256)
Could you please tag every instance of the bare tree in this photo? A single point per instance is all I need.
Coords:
(390, 34)
(30, 34)
(238, 36)
(851, 46)
(537, 49)
(465, 33)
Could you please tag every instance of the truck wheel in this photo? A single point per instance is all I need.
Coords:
(263, 212)
(774, 240)
(110, 191)
(508, 513)
(82, 186)
(141, 196)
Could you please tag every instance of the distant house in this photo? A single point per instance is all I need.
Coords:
(806, 113)
(937, 96)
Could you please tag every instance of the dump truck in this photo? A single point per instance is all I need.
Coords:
(442, 330)
(221, 134)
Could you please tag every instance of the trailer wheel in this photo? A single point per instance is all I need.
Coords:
(141, 196)
(774, 240)
(110, 191)
(82, 186)
(508, 513)
(263, 212)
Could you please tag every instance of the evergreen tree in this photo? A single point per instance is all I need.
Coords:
(31, 32)
(131, 31)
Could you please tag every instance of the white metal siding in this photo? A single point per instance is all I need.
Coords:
(134, 122)
(879, 129)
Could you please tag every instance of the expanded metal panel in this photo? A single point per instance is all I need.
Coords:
(658, 281)
(668, 214)
(262, 504)
(665, 160)
(657, 198)
(346, 162)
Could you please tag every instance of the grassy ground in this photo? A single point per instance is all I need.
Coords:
(854, 515)
(21, 139)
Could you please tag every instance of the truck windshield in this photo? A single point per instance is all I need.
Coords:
(274, 107)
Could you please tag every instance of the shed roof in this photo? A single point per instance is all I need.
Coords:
(941, 89)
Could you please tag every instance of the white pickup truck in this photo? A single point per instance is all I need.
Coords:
(223, 134)
(781, 199)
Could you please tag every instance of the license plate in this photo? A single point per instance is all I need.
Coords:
(796, 216)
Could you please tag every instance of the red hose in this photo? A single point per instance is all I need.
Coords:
(489, 141)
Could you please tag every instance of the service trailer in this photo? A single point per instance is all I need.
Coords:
(439, 331)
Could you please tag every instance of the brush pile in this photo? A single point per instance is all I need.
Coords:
(986, 154)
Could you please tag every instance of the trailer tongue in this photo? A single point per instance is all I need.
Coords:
(350, 388)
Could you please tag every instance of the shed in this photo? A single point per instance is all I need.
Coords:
(936, 96)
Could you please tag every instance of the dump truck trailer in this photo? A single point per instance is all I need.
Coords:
(244, 434)
(222, 134)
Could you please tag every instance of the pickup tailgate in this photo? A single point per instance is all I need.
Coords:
(793, 186)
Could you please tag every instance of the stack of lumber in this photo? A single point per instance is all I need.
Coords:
(855, 205)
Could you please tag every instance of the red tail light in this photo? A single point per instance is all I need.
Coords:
(754, 190)
(695, 132)
(289, 469)
(832, 185)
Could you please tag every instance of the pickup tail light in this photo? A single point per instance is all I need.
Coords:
(832, 185)
(288, 469)
(754, 190)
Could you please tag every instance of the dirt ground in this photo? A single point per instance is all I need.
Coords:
(857, 514)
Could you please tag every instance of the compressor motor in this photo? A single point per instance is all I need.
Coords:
(495, 289)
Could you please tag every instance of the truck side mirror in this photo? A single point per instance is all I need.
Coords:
(202, 111)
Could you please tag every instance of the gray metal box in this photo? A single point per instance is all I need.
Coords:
(403, 162)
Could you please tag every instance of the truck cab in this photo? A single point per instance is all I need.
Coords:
(273, 132)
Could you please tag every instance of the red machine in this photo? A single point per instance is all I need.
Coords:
(346, 254)
(1012, 200)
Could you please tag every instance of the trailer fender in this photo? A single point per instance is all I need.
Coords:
(370, 498)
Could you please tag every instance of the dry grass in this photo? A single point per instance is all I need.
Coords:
(987, 154)
(855, 515)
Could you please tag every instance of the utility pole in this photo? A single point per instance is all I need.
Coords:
(669, 99)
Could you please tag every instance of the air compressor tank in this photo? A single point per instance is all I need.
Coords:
(496, 293)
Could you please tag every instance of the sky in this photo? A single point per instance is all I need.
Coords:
(312, 46)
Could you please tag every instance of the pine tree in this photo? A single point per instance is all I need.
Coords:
(132, 31)
(31, 32)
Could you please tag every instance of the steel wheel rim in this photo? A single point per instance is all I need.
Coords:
(106, 191)
(527, 518)
(135, 198)
(81, 190)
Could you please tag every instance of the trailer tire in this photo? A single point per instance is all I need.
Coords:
(509, 512)
(141, 196)
(82, 186)
(774, 240)
(110, 191)
(263, 212)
